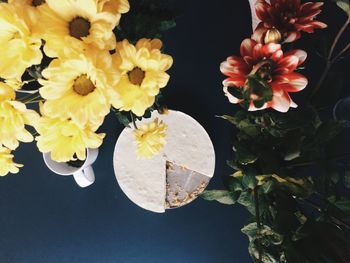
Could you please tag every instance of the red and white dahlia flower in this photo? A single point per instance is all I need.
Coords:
(263, 77)
(288, 16)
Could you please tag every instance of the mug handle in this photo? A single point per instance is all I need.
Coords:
(85, 177)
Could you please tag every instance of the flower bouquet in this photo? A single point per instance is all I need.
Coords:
(78, 60)
(291, 164)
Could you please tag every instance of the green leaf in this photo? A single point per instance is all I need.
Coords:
(221, 196)
(259, 88)
(249, 181)
(235, 184)
(247, 199)
(122, 118)
(342, 204)
(248, 129)
(166, 25)
(233, 165)
(344, 5)
(259, 103)
(292, 145)
(235, 92)
(268, 186)
(250, 230)
(300, 187)
(329, 130)
(243, 155)
(229, 118)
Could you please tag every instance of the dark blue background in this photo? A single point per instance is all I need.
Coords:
(48, 218)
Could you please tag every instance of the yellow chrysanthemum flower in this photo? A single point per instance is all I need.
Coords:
(31, 5)
(13, 117)
(115, 7)
(75, 24)
(150, 138)
(65, 140)
(143, 74)
(76, 87)
(20, 47)
(7, 164)
(6, 92)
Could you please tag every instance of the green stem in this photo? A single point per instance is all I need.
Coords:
(29, 81)
(258, 220)
(341, 53)
(340, 33)
(336, 220)
(332, 158)
(133, 120)
(330, 62)
(35, 101)
(30, 98)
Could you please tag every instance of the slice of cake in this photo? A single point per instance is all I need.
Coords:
(183, 185)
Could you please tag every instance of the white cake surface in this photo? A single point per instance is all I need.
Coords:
(144, 180)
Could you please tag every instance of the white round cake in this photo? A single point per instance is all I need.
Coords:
(175, 176)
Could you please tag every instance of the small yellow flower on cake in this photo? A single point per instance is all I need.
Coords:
(7, 164)
(77, 87)
(150, 138)
(67, 25)
(14, 116)
(20, 47)
(64, 139)
(143, 73)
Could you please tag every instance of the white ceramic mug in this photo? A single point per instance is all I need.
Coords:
(83, 175)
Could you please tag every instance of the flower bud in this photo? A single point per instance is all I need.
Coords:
(273, 36)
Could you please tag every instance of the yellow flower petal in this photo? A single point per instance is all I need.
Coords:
(6, 162)
(14, 116)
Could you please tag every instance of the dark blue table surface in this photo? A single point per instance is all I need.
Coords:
(46, 218)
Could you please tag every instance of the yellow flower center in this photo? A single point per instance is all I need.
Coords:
(79, 27)
(136, 76)
(83, 85)
(38, 2)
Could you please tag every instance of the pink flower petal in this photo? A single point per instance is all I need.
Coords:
(259, 33)
(235, 81)
(292, 36)
(253, 108)
(297, 82)
(270, 48)
(258, 52)
(247, 47)
(234, 66)
(287, 64)
(262, 9)
(318, 24)
(278, 55)
(281, 103)
(230, 97)
(301, 54)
